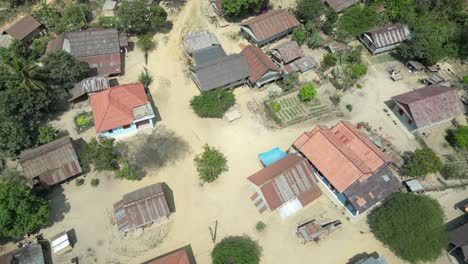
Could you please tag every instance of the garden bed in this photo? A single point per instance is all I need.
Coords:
(83, 121)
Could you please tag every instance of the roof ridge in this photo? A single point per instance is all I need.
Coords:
(263, 16)
(281, 171)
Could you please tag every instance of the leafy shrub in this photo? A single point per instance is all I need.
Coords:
(329, 60)
(235, 8)
(358, 70)
(79, 182)
(104, 155)
(465, 79)
(145, 78)
(107, 22)
(412, 226)
(299, 35)
(356, 20)
(260, 226)
(94, 182)
(46, 134)
(212, 104)
(210, 164)
(290, 81)
(236, 249)
(460, 136)
(137, 18)
(307, 92)
(127, 172)
(81, 121)
(422, 162)
(275, 106)
(336, 99)
(349, 107)
(454, 171)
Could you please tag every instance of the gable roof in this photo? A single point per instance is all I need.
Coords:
(200, 40)
(431, 104)
(179, 256)
(286, 179)
(23, 27)
(114, 107)
(259, 63)
(288, 51)
(388, 35)
(272, 23)
(340, 5)
(141, 207)
(53, 162)
(343, 154)
(220, 72)
(30, 254)
(208, 54)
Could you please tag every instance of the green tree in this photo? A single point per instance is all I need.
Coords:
(460, 136)
(299, 35)
(331, 17)
(21, 211)
(236, 8)
(412, 226)
(77, 16)
(422, 162)
(103, 154)
(358, 70)
(310, 10)
(356, 20)
(46, 134)
(236, 249)
(146, 44)
(127, 172)
(307, 92)
(138, 19)
(29, 76)
(210, 164)
(50, 17)
(145, 78)
(402, 11)
(212, 104)
(329, 60)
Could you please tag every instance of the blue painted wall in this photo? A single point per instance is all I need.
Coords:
(119, 131)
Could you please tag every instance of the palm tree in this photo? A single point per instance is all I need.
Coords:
(145, 78)
(29, 75)
(146, 44)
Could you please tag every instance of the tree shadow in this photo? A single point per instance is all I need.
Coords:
(169, 194)
(168, 25)
(59, 205)
(362, 256)
(461, 205)
(174, 4)
(457, 222)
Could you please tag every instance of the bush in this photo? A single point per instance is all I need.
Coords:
(46, 134)
(236, 249)
(275, 106)
(336, 99)
(212, 104)
(412, 226)
(94, 182)
(358, 70)
(356, 20)
(329, 60)
(290, 81)
(454, 171)
(77, 16)
(210, 164)
(145, 78)
(422, 162)
(107, 22)
(137, 18)
(236, 8)
(307, 92)
(465, 79)
(79, 182)
(127, 172)
(104, 155)
(349, 107)
(260, 226)
(299, 35)
(460, 136)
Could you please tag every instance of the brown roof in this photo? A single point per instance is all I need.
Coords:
(388, 35)
(340, 5)
(52, 163)
(23, 27)
(342, 154)
(286, 179)
(179, 256)
(259, 63)
(272, 23)
(431, 104)
(289, 51)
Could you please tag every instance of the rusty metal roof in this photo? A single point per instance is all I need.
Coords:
(272, 23)
(340, 5)
(53, 162)
(23, 27)
(288, 51)
(431, 104)
(388, 35)
(259, 63)
(141, 207)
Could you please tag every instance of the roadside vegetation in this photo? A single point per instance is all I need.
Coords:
(236, 249)
(213, 104)
(210, 164)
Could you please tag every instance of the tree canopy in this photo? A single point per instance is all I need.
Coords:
(459, 136)
(356, 20)
(235, 8)
(307, 92)
(137, 18)
(412, 226)
(310, 10)
(103, 154)
(212, 103)
(21, 211)
(236, 249)
(422, 162)
(210, 164)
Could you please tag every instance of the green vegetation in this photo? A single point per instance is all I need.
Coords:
(275, 106)
(336, 98)
(455, 169)
(349, 107)
(236, 249)
(331, 18)
(46, 134)
(329, 60)
(465, 79)
(127, 172)
(136, 18)
(412, 226)
(307, 92)
(94, 182)
(422, 162)
(290, 81)
(260, 226)
(146, 44)
(83, 119)
(103, 154)
(299, 35)
(358, 70)
(307, 35)
(236, 8)
(356, 20)
(73, 17)
(459, 136)
(212, 104)
(145, 78)
(210, 164)
(21, 211)
(310, 10)
(79, 182)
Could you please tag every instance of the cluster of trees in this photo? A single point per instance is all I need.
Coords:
(422, 162)
(236, 249)
(353, 68)
(236, 8)
(210, 164)
(137, 18)
(73, 17)
(212, 104)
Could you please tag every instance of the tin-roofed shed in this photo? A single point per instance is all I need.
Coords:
(25, 29)
(385, 38)
(51, 163)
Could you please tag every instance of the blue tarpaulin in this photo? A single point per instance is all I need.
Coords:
(272, 156)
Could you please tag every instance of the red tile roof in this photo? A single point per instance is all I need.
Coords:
(430, 105)
(114, 107)
(23, 27)
(272, 23)
(176, 257)
(342, 154)
(286, 179)
(259, 63)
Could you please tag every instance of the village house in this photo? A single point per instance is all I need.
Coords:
(385, 38)
(340, 5)
(122, 110)
(141, 207)
(269, 27)
(225, 72)
(427, 107)
(286, 186)
(24, 30)
(203, 47)
(51, 163)
(262, 69)
(182, 255)
(30, 254)
(458, 239)
(354, 170)
(102, 49)
(291, 58)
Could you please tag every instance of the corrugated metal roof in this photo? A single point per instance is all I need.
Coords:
(208, 54)
(220, 72)
(141, 207)
(288, 51)
(105, 64)
(259, 63)
(340, 5)
(272, 23)
(95, 84)
(23, 27)
(388, 35)
(431, 104)
(93, 42)
(52, 163)
(200, 40)
(305, 63)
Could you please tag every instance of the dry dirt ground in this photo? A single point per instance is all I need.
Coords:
(88, 209)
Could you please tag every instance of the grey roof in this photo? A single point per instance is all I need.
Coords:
(92, 42)
(414, 185)
(373, 260)
(389, 35)
(208, 54)
(305, 63)
(220, 72)
(199, 41)
(31, 254)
